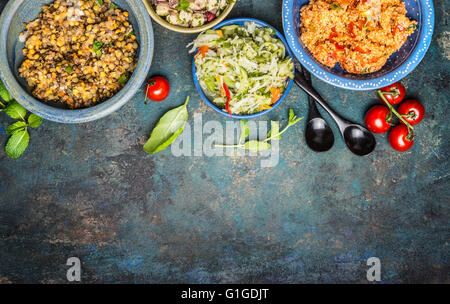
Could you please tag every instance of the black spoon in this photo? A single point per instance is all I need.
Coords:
(319, 136)
(357, 138)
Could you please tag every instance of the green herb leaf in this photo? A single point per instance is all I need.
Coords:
(16, 127)
(4, 94)
(129, 34)
(68, 69)
(168, 128)
(123, 79)
(34, 121)
(245, 130)
(256, 146)
(113, 6)
(15, 111)
(17, 144)
(99, 2)
(274, 130)
(97, 46)
(183, 5)
(335, 7)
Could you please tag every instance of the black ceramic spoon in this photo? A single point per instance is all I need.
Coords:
(357, 138)
(318, 135)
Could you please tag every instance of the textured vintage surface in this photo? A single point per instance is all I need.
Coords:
(90, 191)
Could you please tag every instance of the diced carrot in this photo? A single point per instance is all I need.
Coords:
(276, 94)
(202, 50)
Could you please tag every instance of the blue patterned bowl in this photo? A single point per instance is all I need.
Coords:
(241, 22)
(398, 65)
(11, 58)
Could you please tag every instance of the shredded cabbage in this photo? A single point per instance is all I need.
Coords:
(249, 60)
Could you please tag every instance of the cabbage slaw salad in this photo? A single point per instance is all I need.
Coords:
(243, 69)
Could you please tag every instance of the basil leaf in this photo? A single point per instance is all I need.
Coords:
(245, 130)
(34, 121)
(255, 145)
(15, 111)
(168, 128)
(274, 130)
(17, 144)
(16, 127)
(4, 94)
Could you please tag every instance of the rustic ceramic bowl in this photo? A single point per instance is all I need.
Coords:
(399, 64)
(11, 58)
(186, 30)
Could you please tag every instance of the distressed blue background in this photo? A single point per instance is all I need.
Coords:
(90, 191)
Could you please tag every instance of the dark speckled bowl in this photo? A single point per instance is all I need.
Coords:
(11, 58)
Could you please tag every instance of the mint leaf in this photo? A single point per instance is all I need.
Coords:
(17, 144)
(15, 111)
(245, 130)
(97, 46)
(4, 94)
(34, 121)
(16, 127)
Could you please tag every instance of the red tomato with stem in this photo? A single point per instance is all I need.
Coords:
(412, 111)
(378, 119)
(157, 88)
(400, 138)
(394, 93)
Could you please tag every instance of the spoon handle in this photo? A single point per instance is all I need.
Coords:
(303, 83)
(314, 112)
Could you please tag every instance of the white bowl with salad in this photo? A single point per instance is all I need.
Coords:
(189, 16)
(242, 68)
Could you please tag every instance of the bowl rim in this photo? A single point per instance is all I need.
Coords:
(95, 112)
(407, 66)
(274, 106)
(187, 30)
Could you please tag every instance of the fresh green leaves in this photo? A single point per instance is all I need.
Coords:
(183, 5)
(335, 7)
(34, 121)
(113, 6)
(262, 145)
(123, 79)
(97, 47)
(129, 34)
(68, 69)
(18, 142)
(15, 110)
(4, 94)
(169, 127)
(99, 2)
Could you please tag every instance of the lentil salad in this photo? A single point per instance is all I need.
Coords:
(78, 53)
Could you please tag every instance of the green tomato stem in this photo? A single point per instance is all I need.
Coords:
(394, 111)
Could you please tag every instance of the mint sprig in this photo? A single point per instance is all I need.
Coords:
(18, 131)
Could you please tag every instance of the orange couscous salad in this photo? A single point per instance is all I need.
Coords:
(78, 53)
(360, 35)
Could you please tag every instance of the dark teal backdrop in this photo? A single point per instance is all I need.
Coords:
(90, 191)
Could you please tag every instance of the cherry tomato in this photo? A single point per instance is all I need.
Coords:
(378, 118)
(413, 110)
(157, 88)
(396, 93)
(399, 139)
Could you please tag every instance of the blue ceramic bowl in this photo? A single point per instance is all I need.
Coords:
(241, 22)
(11, 58)
(398, 65)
